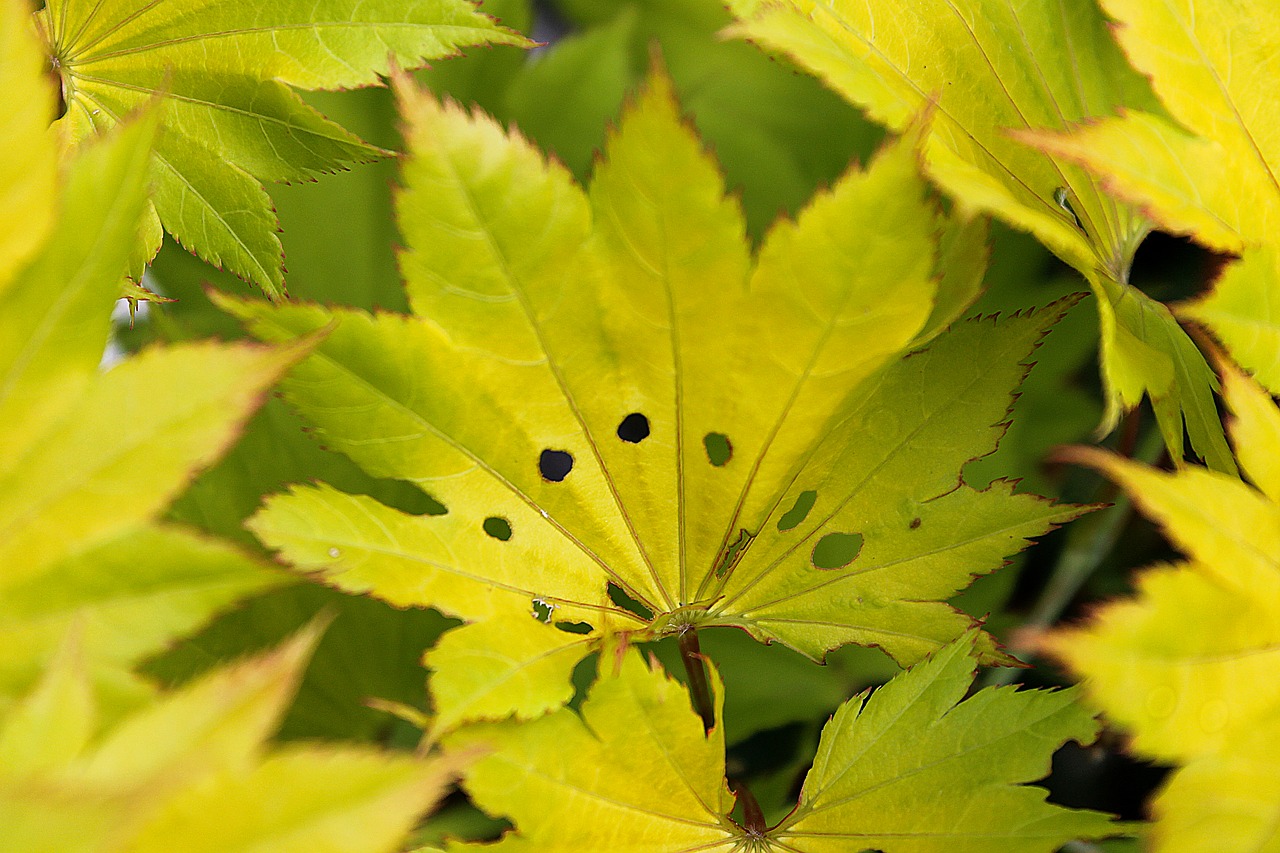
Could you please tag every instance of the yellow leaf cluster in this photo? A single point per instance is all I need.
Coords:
(1191, 667)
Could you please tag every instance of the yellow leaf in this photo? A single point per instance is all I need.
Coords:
(28, 169)
(1191, 666)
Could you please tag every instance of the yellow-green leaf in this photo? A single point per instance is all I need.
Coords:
(608, 389)
(337, 800)
(28, 171)
(128, 595)
(1223, 803)
(1243, 310)
(1211, 65)
(191, 772)
(120, 452)
(636, 773)
(1190, 667)
(219, 75)
(504, 665)
(906, 770)
(992, 72)
(1195, 656)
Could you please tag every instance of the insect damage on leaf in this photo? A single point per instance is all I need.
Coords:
(722, 439)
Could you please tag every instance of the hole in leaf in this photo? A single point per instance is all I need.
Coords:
(836, 550)
(619, 596)
(634, 428)
(719, 450)
(730, 554)
(799, 511)
(498, 528)
(542, 610)
(555, 465)
(574, 627)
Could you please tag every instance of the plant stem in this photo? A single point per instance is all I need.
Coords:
(695, 665)
(752, 814)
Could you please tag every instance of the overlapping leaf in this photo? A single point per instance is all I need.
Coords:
(906, 769)
(221, 73)
(1211, 64)
(170, 775)
(744, 443)
(992, 68)
(1191, 666)
(87, 458)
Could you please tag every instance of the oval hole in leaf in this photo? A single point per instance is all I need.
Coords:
(719, 450)
(542, 611)
(799, 511)
(498, 528)
(619, 596)
(555, 465)
(573, 627)
(634, 428)
(836, 550)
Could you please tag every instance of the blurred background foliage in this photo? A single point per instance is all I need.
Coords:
(779, 136)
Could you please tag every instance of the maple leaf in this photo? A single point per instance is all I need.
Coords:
(903, 769)
(994, 70)
(1213, 173)
(1191, 667)
(607, 390)
(220, 74)
(167, 776)
(88, 458)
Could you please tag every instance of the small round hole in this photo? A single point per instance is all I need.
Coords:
(555, 465)
(719, 450)
(799, 511)
(836, 550)
(634, 428)
(498, 528)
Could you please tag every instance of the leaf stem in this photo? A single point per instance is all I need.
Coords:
(752, 815)
(695, 665)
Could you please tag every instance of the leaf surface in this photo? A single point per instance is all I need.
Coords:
(1193, 657)
(28, 172)
(89, 458)
(1215, 175)
(1189, 666)
(992, 71)
(740, 441)
(904, 770)
(169, 775)
(220, 77)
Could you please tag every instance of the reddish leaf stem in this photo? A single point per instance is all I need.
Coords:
(695, 665)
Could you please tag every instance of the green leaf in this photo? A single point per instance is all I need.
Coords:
(220, 77)
(557, 319)
(907, 769)
(910, 769)
(778, 135)
(996, 71)
(370, 650)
